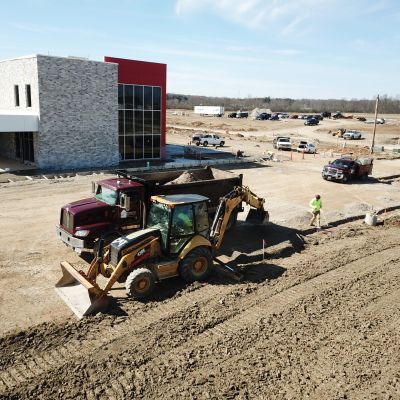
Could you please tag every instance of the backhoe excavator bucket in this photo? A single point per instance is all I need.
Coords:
(257, 216)
(80, 295)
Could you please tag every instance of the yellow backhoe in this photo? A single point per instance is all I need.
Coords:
(178, 241)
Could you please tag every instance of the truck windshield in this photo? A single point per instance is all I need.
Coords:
(109, 196)
(343, 163)
(159, 215)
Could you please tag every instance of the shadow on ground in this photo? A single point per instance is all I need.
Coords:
(243, 247)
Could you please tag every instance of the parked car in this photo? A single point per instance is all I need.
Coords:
(213, 140)
(352, 135)
(337, 115)
(293, 116)
(263, 116)
(319, 117)
(274, 117)
(282, 143)
(326, 114)
(232, 115)
(304, 116)
(306, 148)
(362, 119)
(242, 114)
(283, 115)
(311, 122)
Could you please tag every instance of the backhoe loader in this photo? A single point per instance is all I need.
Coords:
(177, 241)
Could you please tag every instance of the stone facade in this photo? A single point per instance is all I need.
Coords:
(77, 104)
(78, 113)
(21, 72)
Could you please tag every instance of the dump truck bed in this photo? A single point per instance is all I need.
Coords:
(210, 182)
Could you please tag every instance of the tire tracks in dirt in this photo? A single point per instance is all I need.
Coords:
(275, 305)
(321, 366)
(38, 365)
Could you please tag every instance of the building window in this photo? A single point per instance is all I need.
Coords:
(16, 95)
(139, 120)
(28, 95)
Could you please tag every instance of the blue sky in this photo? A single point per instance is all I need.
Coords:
(236, 48)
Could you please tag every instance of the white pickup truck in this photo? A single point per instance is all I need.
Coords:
(210, 139)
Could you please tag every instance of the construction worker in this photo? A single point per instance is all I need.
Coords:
(183, 222)
(316, 206)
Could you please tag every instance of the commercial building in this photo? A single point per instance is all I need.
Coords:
(68, 112)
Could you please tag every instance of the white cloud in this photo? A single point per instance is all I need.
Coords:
(288, 15)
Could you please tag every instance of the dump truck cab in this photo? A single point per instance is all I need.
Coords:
(117, 206)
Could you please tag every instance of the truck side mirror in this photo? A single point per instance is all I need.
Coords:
(125, 202)
(94, 187)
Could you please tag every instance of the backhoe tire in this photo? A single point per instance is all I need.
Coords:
(140, 283)
(197, 265)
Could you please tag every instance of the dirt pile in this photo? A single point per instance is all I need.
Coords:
(392, 221)
(193, 176)
(186, 177)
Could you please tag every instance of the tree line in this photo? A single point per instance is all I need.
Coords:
(387, 105)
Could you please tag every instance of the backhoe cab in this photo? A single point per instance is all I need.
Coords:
(177, 241)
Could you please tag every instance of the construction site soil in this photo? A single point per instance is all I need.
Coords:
(318, 318)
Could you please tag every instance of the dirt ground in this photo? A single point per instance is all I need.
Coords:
(316, 317)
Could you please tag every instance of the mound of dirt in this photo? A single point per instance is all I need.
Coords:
(197, 123)
(185, 177)
(393, 221)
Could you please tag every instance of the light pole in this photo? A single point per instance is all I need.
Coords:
(373, 135)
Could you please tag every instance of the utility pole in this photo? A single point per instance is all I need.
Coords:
(373, 135)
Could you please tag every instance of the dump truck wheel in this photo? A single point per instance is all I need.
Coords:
(140, 283)
(197, 265)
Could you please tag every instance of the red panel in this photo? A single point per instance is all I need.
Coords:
(145, 73)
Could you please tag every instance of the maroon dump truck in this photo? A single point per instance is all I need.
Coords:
(119, 205)
(344, 169)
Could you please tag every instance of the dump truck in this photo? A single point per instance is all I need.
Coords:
(119, 205)
(345, 168)
(176, 241)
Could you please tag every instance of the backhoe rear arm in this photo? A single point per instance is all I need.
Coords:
(225, 208)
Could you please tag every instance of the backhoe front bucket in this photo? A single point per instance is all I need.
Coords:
(80, 295)
(257, 216)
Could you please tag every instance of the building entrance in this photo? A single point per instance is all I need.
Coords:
(24, 146)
